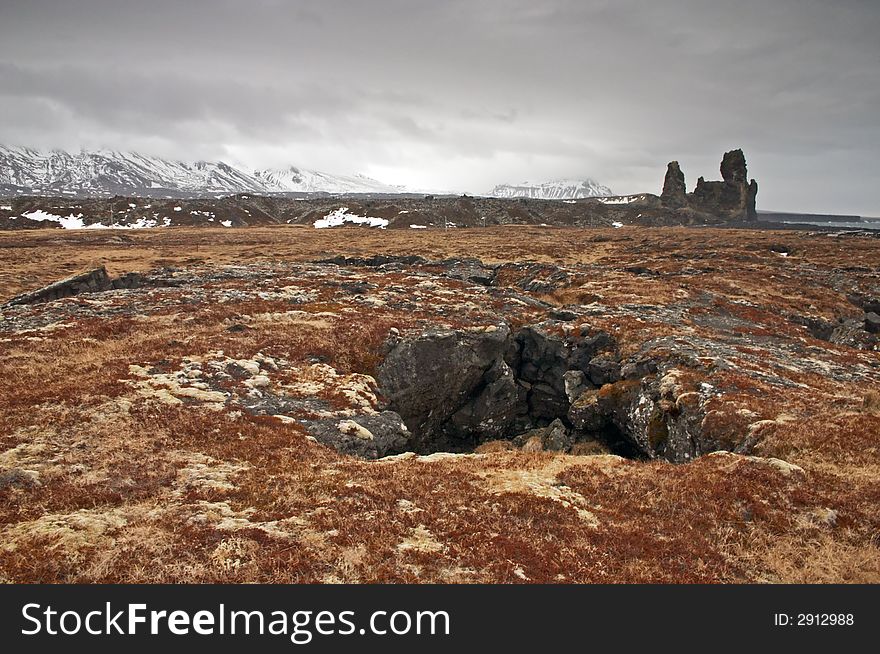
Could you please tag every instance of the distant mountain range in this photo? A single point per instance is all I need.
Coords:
(24, 171)
(562, 189)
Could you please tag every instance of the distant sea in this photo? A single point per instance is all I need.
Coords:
(820, 220)
(844, 224)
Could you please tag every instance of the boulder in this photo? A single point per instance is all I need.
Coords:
(603, 369)
(430, 378)
(585, 414)
(496, 412)
(653, 417)
(557, 437)
(470, 270)
(576, 382)
(370, 436)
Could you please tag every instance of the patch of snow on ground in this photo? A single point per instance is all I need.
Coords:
(340, 216)
(418, 227)
(6, 207)
(142, 223)
(616, 225)
(68, 222)
(76, 222)
(625, 199)
(178, 208)
(226, 223)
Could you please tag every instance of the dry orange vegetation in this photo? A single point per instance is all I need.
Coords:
(115, 468)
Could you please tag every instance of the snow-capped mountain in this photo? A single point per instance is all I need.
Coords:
(311, 181)
(561, 189)
(24, 171)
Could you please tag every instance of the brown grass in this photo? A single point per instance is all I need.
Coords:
(128, 488)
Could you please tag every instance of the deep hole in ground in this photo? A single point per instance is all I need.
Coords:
(552, 386)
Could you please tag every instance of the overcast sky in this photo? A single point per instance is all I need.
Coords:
(463, 95)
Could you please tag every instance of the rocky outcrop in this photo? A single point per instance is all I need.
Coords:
(731, 199)
(457, 389)
(91, 281)
(733, 167)
(552, 387)
(674, 193)
(370, 436)
(654, 417)
(87, 282)
(431, 378)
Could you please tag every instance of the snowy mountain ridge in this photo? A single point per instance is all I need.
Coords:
(312, 181)
(25, 171)
(560, 189)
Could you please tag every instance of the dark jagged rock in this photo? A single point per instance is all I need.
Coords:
(654, 417)
(731, 199)
(455, 389)
(603, 369)
(375, 261)
(557, 437)
(91, 281)
(733, 167)
(470, 270)
(429, 379)
(367, 436)
(88, 282)
(852, 332)
(540, 360)
(496, 412)
(674, 193)
(751, 199)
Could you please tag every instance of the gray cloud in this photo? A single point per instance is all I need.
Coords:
(463, 94)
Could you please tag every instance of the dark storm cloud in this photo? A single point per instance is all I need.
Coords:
(463, 95)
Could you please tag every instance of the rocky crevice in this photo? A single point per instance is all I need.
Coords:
(548, 386)
(91, 281)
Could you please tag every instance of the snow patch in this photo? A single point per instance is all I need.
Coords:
(67, 222)
(623, 199)
(340, 216)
